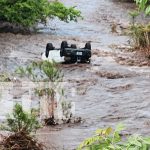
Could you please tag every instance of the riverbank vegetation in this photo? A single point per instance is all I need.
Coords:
(27, 13)
(141, 37)
(143, 6)
(21, 125)
(109, 139)
(140, 33)
(51, 76)
(50, 89)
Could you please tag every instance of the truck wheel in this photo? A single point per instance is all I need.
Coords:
(49, 47)
(73, 46)
(73, 60)
(64, 44)
(46, 53)
(87, 46)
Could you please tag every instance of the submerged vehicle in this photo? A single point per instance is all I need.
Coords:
(69, 54)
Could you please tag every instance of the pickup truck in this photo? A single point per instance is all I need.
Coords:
(70, 54)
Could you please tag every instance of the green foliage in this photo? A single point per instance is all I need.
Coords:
(21, 121)
(50, 74)
(48, 71)
(54, 75)
(141, 35)
(134, 13)
(107, 139)
(143, 6)
(65, 14)
(29, 12)
(28, 71)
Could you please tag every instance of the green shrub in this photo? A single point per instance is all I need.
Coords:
(21, 125)
(107, 139)
(29, 12)
(143, 6)
(21, 121)
(50, 74)
(49, 71)
(141, 35)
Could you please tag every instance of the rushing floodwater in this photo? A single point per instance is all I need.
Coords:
(106, 93)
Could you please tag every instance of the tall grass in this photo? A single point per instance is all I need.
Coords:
(140, 34)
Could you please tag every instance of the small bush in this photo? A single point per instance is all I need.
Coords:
(21, 121)
(50, 73)
(21, 125)
(140, 35)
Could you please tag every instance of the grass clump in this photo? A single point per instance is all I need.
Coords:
(140, 35)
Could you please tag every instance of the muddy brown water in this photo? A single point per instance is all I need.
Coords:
(106, 92)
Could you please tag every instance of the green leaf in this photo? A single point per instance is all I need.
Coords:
(120, 127)
(133, 140)
(146, 140)
(147, 11)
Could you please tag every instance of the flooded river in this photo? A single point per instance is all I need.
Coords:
(108, 90)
